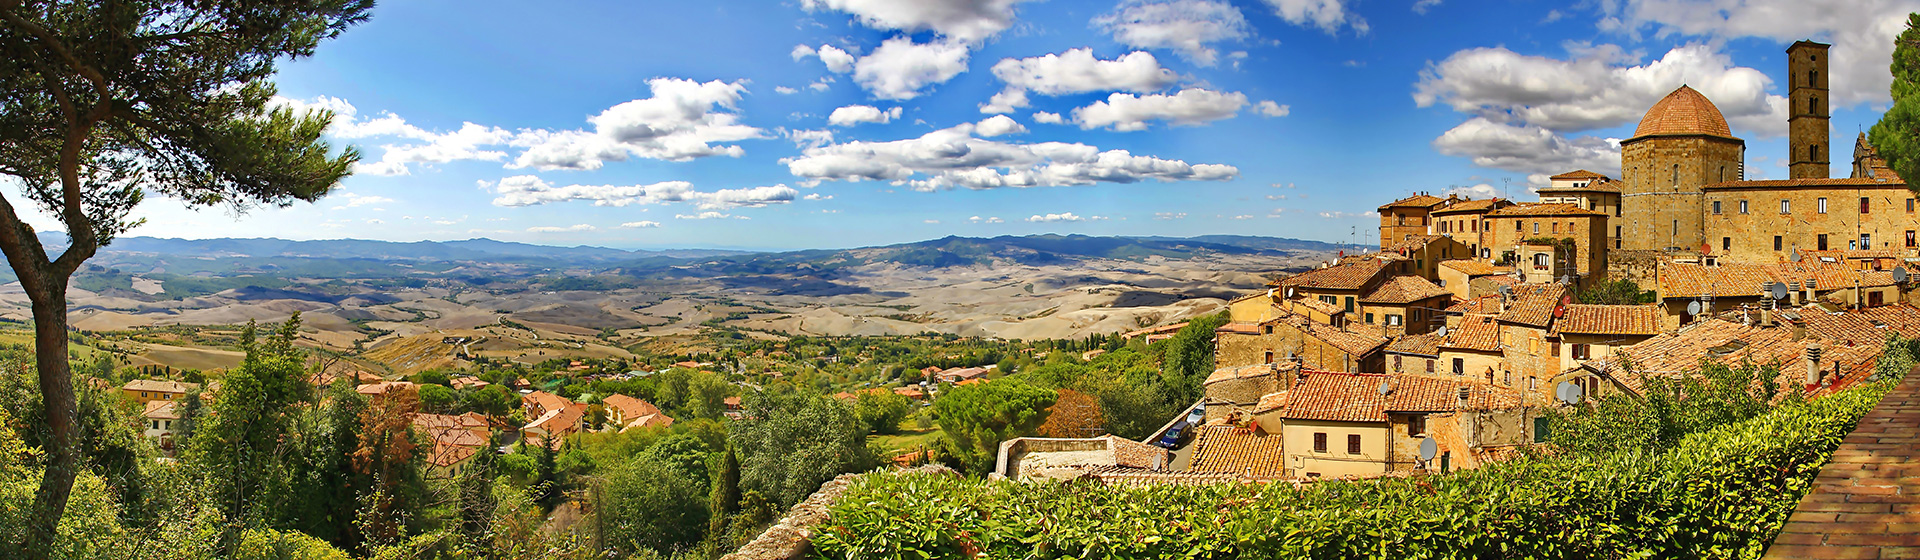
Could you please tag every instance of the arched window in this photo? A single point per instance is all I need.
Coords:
(1813, 78)
(1813, 152)
(1813, 104)
(1676, 174)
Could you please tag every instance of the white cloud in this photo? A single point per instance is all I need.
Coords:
(358, 200)
(809, 138)
(556, 229)
(1128, 112)
(682, 121)
(1862, 31)
(1328, 15)
(640, 225)
(1271, 109)
(1063, 217)
(801, 52)
(966, 20)
(1528, 149)
(1243, 217)
(1479, 191)
(1186, 26)
(1075, 71)
(900, 69)
(1344, 215)
(1048, 118)
(784, 90)
(1597, 87)
(838, 60)
(998, 125)
(1421, 6)
(528, 190)
(987, 220)
(1276, 197)
(817, 196)
(1169, 215)
(855, 114)
(929, 221)
(707, 216)
(955, 157)
(822, 85)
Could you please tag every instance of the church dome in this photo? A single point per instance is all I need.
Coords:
(1684, 111)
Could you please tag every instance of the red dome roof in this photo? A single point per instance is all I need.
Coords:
(1684, 111)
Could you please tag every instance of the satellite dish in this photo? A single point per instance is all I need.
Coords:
(1796, 255)
(1779, 291)
(1506, 290)
(1900, 275)
(1428, 449)
(1386, 387)
(1693, 307)
(1442, 333)
(1568, 392)
(1289, 292)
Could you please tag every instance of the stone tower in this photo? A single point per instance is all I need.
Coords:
(1807, 130)
(1682, 143)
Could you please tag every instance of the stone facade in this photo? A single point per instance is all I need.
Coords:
(1766, 221)
(1277, 340)
(1513, 227)
(1661, 197)
(1808, 138)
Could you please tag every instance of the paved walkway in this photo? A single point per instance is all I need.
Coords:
(1867, 500)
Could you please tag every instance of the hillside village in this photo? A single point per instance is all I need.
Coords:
(1476, 318)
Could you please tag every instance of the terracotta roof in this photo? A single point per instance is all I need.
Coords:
(1129, 453)
(562, 420)
(1238, 328)
(1235, 450)
(1404, 289)
(655, 420)
(1679, 280)
(1578, 174)
(161, 410)
(151, 385)
(1472, 267)
(1533, 304)
(1539, 209)
(544, 402)
(1476, 332)
(1350, 276)
(1609, 319)
(1601, 185)
(1472, 206)
(1339, 397)
(1831, 272)
(1414, 243)
(629, 407)
(1248, 372)
(1684, 111)
(1680, 353)
(1320, 306)
(1271, 401)
(1483, 305)
(1357, 344)
(468, 382)
(1434, 394)
(446, 455)
(382, 387)
(1417, 344)
(1415, 201)
(1870, 324)
(1889, 180)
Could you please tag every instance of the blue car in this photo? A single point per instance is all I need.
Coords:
(1172, 437)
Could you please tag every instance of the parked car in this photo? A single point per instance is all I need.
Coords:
(1172, 438)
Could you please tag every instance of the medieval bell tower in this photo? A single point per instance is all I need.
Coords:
(1807, 128)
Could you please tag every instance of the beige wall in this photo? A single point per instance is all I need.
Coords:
(1467, 228)
(1251, 310)
(1601, 347)
(1235, 350)
(1475, 364)
(1415, 318)
(1426, 261)
(1749, 237)
(1530, 356)
(1399, 223)
(1589, 235)
(1414, 363)
(1336, 461)
(1652, 202)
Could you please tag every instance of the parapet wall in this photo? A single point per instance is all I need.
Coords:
(790, 538)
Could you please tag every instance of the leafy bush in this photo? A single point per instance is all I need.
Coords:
(1721, 493)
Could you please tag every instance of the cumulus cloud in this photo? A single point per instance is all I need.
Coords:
(1128, 112)
(966, 20)
(1075, 71)
(784, 90)
(1186, 26)
(855, 114)
(1421, 6)
(957, 157)
(683, 120)
(998, 125)
(528, 190)
(1169, 215)
(808, 138)
(1528, 149)
(558, 229)
(987, 220)
(1328, 15)
(1862, 31)
(640, 225)
(427, 147)
(1049, 118)
(902, 69)
(357, 200)
(1271, 109)
(1479, 191)
(707, 216)
(1344, 215)
(838, 60)
(817, 196)
(1062, 217)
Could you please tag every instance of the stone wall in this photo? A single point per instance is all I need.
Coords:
(1749, 236)
(1235, 350)
(1661, 202)
(788, 538)
(1638, 266)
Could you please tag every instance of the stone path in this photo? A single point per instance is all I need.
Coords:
(1867, 500)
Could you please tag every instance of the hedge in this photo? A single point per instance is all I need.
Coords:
(1723, 493)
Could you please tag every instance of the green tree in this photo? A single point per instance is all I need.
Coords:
(437, 398)
(792, 443)
(107, 101)
(1187, 359)
(882, 411)
(238, 445)
(978, 417)
(647, 506)
(1617, 292)
(1897, 135)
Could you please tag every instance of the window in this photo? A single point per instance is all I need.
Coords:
(1866, 241)
(1580, 351)
(1676, 174)
(1909, 206)
(1776, 242)
(1349, 304)
(1396, 363)
(1676, 227)
(1813, 104)
(1269, 359)
(1616, 231)
(1813, 78)
(1556, 227)
(1536, 227)
(1820, 205)
(1786, 206)
(1459, 366)
(1864, 202)
(1726, 244)
(153, 424)
(1518, 226)
(1910, 240)
(1353, 444)
(1541, 261)
(1416, 425)
(1821, 241)
(1269, 329)
(1813, 152)
(1716, 207)
(1429, 366)
(1743, 207)
(1319, 442)
(1394, 321)
(1369, 318)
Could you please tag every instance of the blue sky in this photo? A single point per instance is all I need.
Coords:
(840, 123)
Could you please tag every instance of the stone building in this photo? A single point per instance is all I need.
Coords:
(1767, 221)
(1293, 338)
(1427, 252)
(1407, 217)
(1682, 144)
(1550, 225)
(1465, 221)
(1405, 305)
(1588, 191)
(1807, 126)
(1591, 332)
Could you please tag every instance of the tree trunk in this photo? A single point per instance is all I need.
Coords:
(49, 297)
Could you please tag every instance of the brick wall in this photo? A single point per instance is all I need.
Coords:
(1750, 236)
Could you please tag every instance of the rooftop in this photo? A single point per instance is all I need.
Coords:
(1416, 201)
(1235, 450)
(1683, 112)
(1404, 289)
(1350, 276)
(1534, 304)
(1634, 320)
(1474, 267)
(1540, 209)
(152, 385)
(1725, 280)
(1476, 332)
(1427, 344)
(1576, 175)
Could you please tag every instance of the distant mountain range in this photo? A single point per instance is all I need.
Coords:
(477, 249)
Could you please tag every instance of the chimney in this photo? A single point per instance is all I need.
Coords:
(1464, 393)
(1766, 317)
(1799, 328)
(1811, 358)
(1807, 116)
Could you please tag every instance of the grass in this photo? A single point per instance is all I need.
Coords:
(911, 437)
